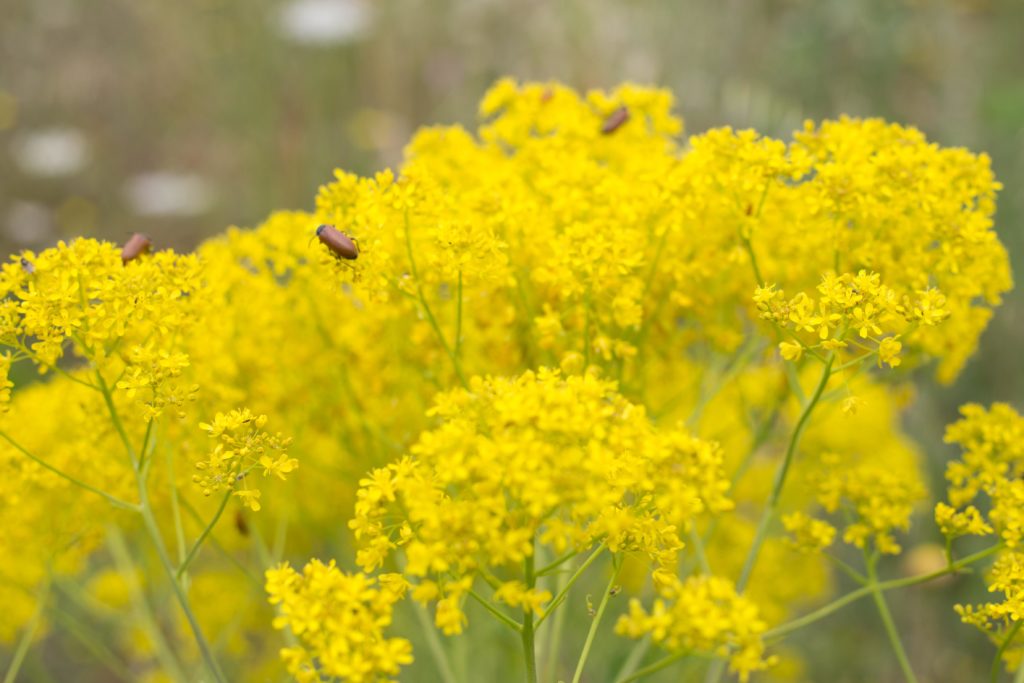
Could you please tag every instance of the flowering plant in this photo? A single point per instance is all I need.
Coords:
(568, 357)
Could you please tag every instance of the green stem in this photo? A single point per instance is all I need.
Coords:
(266, 562)
(202, 537)
(657, 666)
(556, 564)
(113, 500)
(557, 629)
(149, 521)
(847, 569)
(108, 398)
(179, 527)
(529, 655)
(853, 596)
(503, 618)
(1019, 677)
(780, 478)
(103, 654)
(595, 622)
(636, 655)
(698, 549)
(458, 319)
(565, 591)
(30, 631)
(998, 659)
(444, 667)
(890, 626)
(141, 607)
(426, 307)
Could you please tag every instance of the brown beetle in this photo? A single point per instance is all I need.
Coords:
(240, 524)
(339, 243)
(615, 120)
(137, 245)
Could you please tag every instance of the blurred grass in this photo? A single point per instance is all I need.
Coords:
(214, 92)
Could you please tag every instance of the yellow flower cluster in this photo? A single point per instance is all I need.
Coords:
(875, 500)
(242, 446)
(339, 620)
(850, 313)
(808, 534)
(702, 614)
(539, 461)
(997, 618)
(569, 231)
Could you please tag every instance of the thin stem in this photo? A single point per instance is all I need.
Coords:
(657, 666)
(847, 569)
(556, 564)
(30, 631)
(565, 591)
(426, 307)
(557, 629)
(595, 622)
(202, 537)
(458, 318)
(113, 500)
(144, 462)
(39, 361)
(266, 562)
(94, 645)
(116, 419)
(529, 655)
(179, 527)
(636, 655)
(498, 614)
(154, 534)
(780, 478)
(444, 667)
(890, 626)
(853, 596)
(998, 659)
(141, 607)
(698, 549)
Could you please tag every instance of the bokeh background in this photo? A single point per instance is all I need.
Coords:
(181, 118)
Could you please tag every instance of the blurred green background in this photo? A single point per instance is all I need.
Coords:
(180, 118)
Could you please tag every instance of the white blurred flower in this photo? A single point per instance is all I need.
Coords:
(165, 193)
(50, 152)
(28, 223)
(324, 22)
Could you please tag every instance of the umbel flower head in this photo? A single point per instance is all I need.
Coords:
(241, 446)
(339, 620)
(565, 462)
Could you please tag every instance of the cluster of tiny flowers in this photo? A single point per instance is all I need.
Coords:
(563, 462)
(808, 534)
(853, 313)
(339, 620)
(242, 445)
(990, 467)
(997, 618)
(875, 500)
(571, 231)
(702, 614)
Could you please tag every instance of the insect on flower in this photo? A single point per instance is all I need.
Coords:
(137, 245)
(339, 243)
(27, 265)
(240, 524)
(615, 120)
